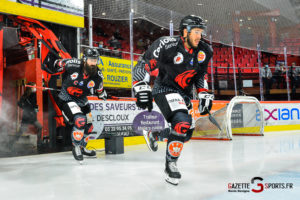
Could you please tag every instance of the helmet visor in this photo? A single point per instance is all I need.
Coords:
(92, 60)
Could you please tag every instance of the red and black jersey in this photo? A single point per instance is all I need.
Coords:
(76, 86)
(179, 68)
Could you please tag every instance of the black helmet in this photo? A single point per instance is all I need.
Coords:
(90, 53)
(191, 21)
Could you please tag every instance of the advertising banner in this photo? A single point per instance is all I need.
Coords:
(116, 72)
(281, 113)
(66, 12)
(124, 118)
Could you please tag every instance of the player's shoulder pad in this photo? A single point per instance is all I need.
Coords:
(165, 42)
(204, 45)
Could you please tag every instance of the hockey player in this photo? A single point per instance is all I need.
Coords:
(182, 62)
(80, 77)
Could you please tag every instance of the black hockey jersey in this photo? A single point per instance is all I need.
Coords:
(76, 86)
(179, 68)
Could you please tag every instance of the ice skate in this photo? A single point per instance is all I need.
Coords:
(87, 152)
(76, 151)
(150, 140)
(172, 173)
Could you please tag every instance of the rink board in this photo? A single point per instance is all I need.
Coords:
(123, 118)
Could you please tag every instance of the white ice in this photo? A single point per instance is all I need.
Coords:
(206, 167)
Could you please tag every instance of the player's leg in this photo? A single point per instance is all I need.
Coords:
(88, 130)
(151, 137)
(181, 123)
(75, 117)
(175, 111)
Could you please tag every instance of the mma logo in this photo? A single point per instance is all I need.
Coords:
(185, 78)
(77, 135)
(175, 148)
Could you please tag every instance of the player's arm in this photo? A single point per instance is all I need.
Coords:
(141, 75)
(148, 62)
(100, 91)
(60, 66)
(205, 99)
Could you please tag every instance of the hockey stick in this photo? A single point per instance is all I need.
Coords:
(43, 88)
(119, 98)
(213, 120)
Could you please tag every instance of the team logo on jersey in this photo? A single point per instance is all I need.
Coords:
(75, 82)
(74, 75)
(201, 56)
(91, 84)
(175, 148)
(74, 91)
(178, 58)
(192, 61)
(185, 78)
(81, 83)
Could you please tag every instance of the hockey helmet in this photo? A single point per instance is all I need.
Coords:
(191, 21)
(90, 53)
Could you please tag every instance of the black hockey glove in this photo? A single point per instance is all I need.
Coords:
(205, 102)
(102, 95)
(59, 65)
(143, 94)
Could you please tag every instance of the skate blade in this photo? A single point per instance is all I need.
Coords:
(89, 156)
(145, 133)
(173, 181)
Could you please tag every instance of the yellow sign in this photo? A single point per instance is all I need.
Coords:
(116, 72)
(71, 15)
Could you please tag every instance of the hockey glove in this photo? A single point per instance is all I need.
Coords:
(59, 65)
(102, 95)
(205, 102)
(142, 92)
